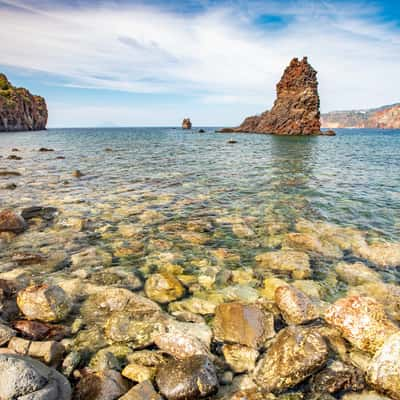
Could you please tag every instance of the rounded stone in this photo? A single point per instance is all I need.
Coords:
(163, 288)
(11, 222)
(188, 379)
(44, 303)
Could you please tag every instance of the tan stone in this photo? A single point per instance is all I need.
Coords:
(163, 288)
(362, 321)
(240, 358)
(356, 274)
(142, 391)
(138, 373)
(248, 325)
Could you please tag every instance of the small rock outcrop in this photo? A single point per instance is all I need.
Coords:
(19, 109)
(296, 108)
(186, 124)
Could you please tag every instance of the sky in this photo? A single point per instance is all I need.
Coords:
(152, 63)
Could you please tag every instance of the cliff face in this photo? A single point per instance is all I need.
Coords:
(386, 117)
(19, 109)
(296, 108)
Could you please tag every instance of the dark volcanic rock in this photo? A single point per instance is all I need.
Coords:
(19, 109)
(186, 124)
(192, 378)
(296, 108)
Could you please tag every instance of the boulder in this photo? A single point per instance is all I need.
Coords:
(384, 371)
(163, 288)
(295, 263)
(362, 321)
(44, 303)
(248, 325)
(25, 378)
(296, 108)
(11, 222)
(295, 306)
(295, 354)
(188, 379)
(356, 274)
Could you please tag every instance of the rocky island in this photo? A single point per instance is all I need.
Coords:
(186, 123)
(296, 108)
(19, 109)
(385, 117)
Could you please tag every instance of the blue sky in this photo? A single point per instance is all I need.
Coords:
(126, 63)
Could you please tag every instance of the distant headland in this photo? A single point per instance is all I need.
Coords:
(19, 109)
(385, 117)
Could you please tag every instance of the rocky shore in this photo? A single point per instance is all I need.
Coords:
(296, 108)
(90, 322)
(19, 109)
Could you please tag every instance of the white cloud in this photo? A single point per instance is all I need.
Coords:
(219, 54)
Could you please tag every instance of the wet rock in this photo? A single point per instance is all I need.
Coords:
(189, 379)
(35, 330)
(163, 288)
(9, 186)
(12, 222)
(248, 325)
(362, 321)
(312, 243)
(365, 395)
(312, 289)
(6, 333)
(25, 378)
(294, 262)
(195, 238)
(78, 174)
(45, 150)
(295, 306)
(44, 303)
(381, 254)
(338, 377)
(70, 363)
(148, 358)
(194, 305)
(295, 354)
(138, 373)
(356, 274)
(10, 173)
(104, 360)
(47, 213)
(28, 258)
(180, 344)
(14, 157)
(142, 391)
(384, 371)
(91, 257)
(104, 385)
(270, 286)
(240, 358)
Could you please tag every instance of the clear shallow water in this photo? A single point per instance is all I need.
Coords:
(352, 178)
(160, 199)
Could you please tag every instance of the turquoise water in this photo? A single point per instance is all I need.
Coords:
(352, 178)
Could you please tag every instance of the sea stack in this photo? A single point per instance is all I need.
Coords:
(296, 108)
(19, 109)
(186, 124)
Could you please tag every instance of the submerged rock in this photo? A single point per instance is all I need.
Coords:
(356, 274)
(296, 108)
(25, 378)
(240, 358)
(362, 321)
(11, 222)
(381, 254)
(295, 354)
(189, 379)
(384, 371)
(294, 262)
(44, 303)
(163, 288)
(248, 325)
